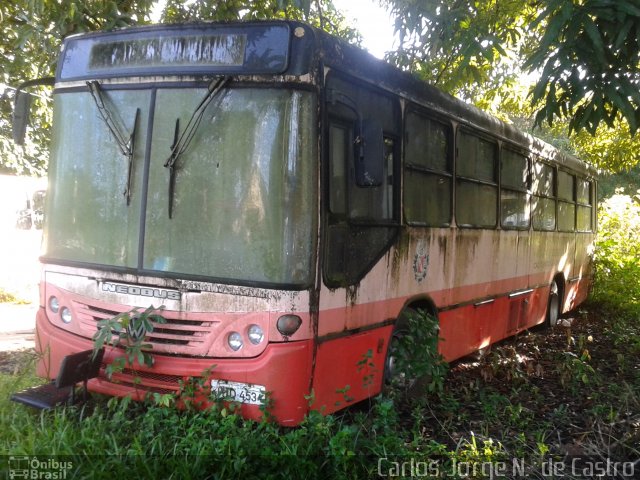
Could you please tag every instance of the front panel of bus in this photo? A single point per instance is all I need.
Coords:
(183, 175)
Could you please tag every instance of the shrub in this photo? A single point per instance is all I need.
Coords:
(617, 253)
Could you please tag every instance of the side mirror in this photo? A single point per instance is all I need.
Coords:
(21, 109)
(369, 158)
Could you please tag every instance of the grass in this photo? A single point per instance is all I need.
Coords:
(557, 403)
(533, 399)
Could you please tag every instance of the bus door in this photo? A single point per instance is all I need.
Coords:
(361, 222)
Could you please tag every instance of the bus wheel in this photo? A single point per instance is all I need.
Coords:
(553, 307)
(393, 374)
(396, 374)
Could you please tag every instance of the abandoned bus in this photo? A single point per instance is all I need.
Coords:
(286, 197)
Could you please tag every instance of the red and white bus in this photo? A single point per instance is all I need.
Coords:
(286, 197)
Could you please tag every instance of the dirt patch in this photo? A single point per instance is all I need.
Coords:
(12, 342)
(14, 361)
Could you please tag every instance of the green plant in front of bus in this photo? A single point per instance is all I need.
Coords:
(368, 367)
(417, 357)
(120, 331)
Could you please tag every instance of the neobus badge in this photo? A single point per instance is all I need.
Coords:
(142, 291)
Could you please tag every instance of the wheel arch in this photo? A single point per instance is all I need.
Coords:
(423, 302)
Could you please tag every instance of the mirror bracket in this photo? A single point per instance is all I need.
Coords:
(22, 107)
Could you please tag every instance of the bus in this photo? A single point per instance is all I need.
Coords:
(286, 198)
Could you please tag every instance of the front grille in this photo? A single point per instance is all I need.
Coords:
(142, 380)
(183, 332)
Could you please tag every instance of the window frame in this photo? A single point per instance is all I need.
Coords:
(589, 205)
(526, 189)
(426, 171)
(481, 136)
(552, 197)
(566, 201)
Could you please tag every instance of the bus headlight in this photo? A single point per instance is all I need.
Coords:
(235, 341)
(54, 304)
(256, 335)
(287, 325)
(65, 315)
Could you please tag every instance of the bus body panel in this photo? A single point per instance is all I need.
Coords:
(283, 369)
(349, 369)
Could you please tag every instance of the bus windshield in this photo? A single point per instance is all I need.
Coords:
(244, 194)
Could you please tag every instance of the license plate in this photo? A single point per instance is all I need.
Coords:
(238, 392)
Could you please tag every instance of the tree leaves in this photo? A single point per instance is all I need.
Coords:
(31, 32)
(585, 55)
(590, 53)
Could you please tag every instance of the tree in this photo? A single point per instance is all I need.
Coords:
(585, 53)
(589, 56)
(31, 32)
(322, 14)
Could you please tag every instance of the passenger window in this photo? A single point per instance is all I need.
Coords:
(476, 186)
(514, 194)
(428, 179)
(543, 207)
(584, 213)
(566, 202)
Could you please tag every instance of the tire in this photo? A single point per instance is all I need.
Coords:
(394, 377)
(392, 374)
(553, 306)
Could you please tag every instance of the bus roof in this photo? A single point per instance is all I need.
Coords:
(342, 56)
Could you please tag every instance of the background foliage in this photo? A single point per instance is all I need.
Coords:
(618, 253)
(31, 32)
(572, 65)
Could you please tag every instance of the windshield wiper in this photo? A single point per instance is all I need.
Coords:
(125, 145)
(181, 141)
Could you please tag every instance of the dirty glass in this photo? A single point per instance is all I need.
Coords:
(477, 204)
(584, 209)
(427, 194)
(426, 143)
(514, 170)
(245, 191)
(566, 186)
(514, 209)
(427, 199)
(476, 157)
(543, 179)
(544, 214)
(584, 191)
(514, 200)
(339, 136)
(584, 219)
(177, 49)
(566, 216)
(87, 217)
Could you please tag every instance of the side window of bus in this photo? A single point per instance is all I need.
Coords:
(476, 182)
(427, 178)
(340, 137)
(544, 203)
(566, 202)
(514, 192)
(584, 214)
